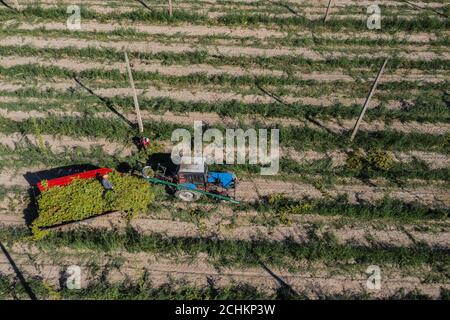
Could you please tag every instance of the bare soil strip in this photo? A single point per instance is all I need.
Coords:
(197, 95)
(232, 51)
(63, 143)
(220, 228)
(237, 32)
(181, 70)
(337, 126)
(253, 190)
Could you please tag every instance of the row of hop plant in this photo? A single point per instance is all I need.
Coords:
(312, 139)
(417, 23)
(144, 289)
(284, 62)
(375, 159)
(225, 80)
(280, 209)
(83, 199)
(289, 40)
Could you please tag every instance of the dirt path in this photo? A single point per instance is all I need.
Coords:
(198, 95)
(320, 4)
(232, 51)
(189, 118)
(215, 10)
(62, 143)
(237, 32)
(181, 70)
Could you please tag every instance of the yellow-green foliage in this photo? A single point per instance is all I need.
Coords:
(274, 198)
(379, 159)
(355, 160)
(376, 159)
(86, 198)
(284, 209)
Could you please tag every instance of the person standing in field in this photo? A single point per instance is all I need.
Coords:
(106, 184)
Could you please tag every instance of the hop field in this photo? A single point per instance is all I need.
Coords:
(334, 208)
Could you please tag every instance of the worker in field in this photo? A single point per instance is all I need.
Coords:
(144, 142)
(106, 184)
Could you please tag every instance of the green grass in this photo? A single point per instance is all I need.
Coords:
(420, 22)
(300, 138)
(287, 62)
(428, 107)
(226, 82)
(143, 289)
(415, 169)
(285, 253)
(290, 40)
(386, 208)
(398, 174)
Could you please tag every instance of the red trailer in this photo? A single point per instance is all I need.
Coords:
(63, 181)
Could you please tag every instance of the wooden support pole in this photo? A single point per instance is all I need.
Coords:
(170, 8)
(136, 103)
(369, 97)
(328, 11)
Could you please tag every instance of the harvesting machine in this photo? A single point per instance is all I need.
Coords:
(188, 182)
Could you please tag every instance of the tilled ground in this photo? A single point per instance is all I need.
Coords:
(36, 52)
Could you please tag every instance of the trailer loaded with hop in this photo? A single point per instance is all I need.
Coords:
(92, 193)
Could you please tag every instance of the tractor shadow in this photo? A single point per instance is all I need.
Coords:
(31, 211)
(162, 161)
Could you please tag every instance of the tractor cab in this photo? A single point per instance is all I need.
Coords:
(193, 174)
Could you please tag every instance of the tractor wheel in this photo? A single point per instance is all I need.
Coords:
(187, 195)
(147, 172)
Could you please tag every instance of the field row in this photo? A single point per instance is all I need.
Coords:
(225, 50)
(256, 37)
(277, 14)
(195, 259)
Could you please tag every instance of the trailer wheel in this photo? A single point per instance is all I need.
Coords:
(187, 195)
(147, 172)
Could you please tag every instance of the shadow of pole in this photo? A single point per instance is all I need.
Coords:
(144, 4)
(287, 289)
(8, 6)
(18, 273)
(279, 100)
(290, 9)
(107, 102)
